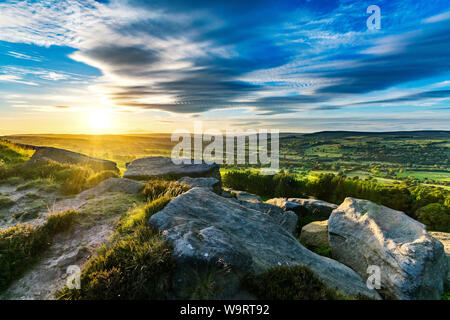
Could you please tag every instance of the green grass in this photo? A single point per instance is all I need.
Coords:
(426, 175)
(12, 155)
(155, 189)
(136, 264)
(21, 245)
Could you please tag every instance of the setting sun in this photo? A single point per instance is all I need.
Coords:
(100, 120)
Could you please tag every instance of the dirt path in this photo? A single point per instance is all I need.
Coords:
(99, 209)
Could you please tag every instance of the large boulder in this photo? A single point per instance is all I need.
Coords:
(44, 154)
(412, 263)
(444, 238)
(145, 168)
(223, 240)
(315, 234)
(286, 219)
(211, 184)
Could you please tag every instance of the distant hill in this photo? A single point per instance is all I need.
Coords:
(403, 134)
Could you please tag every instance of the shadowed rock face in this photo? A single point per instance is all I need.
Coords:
(315, 234)
(43, 154)
(444, 238)
(144, 168)
(305, 207)
(208, 231)
(412, 263)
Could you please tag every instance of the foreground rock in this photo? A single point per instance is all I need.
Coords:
(145, 168)
(315, 234)
(444, 238)
(413, 264)
(286, 219)
(220, 237)
(211, 184)
(44, 154)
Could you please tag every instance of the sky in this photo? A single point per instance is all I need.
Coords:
(128, 66)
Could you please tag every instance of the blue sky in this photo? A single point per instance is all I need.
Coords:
(145, 66)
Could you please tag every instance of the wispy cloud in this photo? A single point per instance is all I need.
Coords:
(22, 56)
(15, 78)
(267, 57)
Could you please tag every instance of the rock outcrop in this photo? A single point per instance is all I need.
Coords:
(111, 185)
(286, 219)
(213, 235)
(315, 234)
(44, 154)
(245, 196)
(145, 168)
(413, 264)
(444, 238)
(318, 209)
(211, 184)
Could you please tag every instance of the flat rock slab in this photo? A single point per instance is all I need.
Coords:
(211, 184)
(286, 219)
(111, 185)
(207, 231)
(412, 263)
(43, 154)
(145, 168)
(315, 234)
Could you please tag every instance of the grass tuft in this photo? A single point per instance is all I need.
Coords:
(21, 245)
(136, 264)
(155, 189)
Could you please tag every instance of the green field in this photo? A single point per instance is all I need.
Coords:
(387, 157)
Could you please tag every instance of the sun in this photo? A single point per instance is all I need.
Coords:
(100, 120)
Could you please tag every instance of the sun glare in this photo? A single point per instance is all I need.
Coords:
(100, 120)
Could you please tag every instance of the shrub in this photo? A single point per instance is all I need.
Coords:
(435, 216)
(6, 202)
(155, 189)
(289, 283)
(21, 245)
